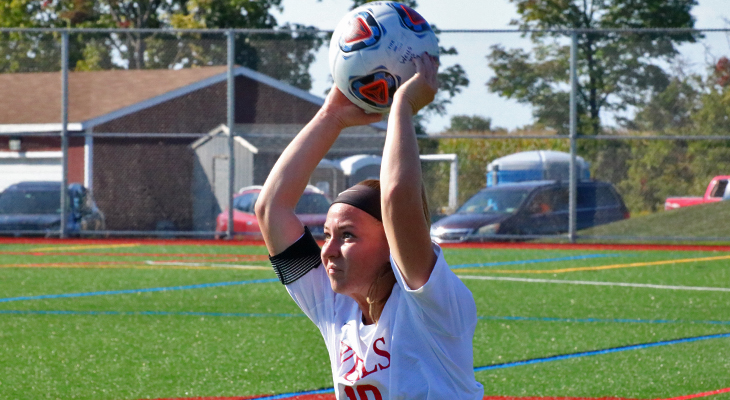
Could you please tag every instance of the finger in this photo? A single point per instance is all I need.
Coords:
(418, 61)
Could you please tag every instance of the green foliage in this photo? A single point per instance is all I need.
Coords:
(614, 70)
(285, 56)
(463, 123)
(474, 155)
(688, 106)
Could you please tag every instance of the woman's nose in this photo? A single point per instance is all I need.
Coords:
(330, 249)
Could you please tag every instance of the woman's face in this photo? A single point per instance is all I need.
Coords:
(355, 249)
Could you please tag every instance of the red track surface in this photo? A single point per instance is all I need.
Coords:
(332, 397)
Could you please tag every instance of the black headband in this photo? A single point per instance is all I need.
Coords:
(363, 197)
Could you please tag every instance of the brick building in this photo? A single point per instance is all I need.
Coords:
(132, 134)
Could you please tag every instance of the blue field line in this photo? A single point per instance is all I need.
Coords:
(541, 260)
(610, 320)
(155, 313)
(285, 315)
(290, 395)
(534, 361)
(599, 352)
(132, 291)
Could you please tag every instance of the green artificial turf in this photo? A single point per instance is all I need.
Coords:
(250, 339)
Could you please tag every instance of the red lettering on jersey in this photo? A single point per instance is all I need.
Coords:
(363, 370)
(353, 370)
(344, 349)
(350, 393)
(381, 352)
(359, 369)
(363, 390)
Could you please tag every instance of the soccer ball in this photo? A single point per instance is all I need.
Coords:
(371, 52)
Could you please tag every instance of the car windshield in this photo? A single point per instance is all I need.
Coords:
(496, 200)
(312, 203)
(30, 202)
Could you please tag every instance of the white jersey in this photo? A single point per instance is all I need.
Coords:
(421, 348)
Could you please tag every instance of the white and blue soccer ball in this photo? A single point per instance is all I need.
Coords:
(371, 52)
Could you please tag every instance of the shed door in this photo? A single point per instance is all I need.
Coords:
(220, 180)
(14, 170)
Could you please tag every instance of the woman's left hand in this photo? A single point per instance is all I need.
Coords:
(421, 89)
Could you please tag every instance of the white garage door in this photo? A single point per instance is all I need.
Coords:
(31, 166)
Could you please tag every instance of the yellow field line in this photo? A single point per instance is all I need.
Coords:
(88, 246)
(613, 266)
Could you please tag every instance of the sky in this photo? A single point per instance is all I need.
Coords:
(486, 14)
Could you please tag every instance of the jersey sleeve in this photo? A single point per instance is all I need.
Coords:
(298, 259)
(444, 304)
(298, 267)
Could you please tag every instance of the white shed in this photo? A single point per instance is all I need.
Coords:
(329, 178)
(360, 167)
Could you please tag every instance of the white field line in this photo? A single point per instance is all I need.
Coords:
(594, 283)
(188, 264)
(87, 246)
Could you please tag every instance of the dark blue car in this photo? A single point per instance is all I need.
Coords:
(529, 208)
(35, 208)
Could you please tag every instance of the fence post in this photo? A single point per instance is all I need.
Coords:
(64, 133)
(231, 94)
(573, 176)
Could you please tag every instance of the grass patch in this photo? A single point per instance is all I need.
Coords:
(251, 339)
(698, 221)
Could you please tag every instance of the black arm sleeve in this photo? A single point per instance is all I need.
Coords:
(298, 259)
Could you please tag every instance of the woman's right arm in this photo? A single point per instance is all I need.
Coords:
(277, 201)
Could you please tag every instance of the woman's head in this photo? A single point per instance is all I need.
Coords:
(356, 254)
(356, 249)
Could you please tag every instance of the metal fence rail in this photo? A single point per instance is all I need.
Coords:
(165, 127)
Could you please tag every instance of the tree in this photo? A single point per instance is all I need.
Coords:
(285, 56)
(616, 70)
(466, 123)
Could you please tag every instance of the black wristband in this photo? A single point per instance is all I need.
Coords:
(298, 259)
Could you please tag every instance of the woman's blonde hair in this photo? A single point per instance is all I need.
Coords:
(382, 286)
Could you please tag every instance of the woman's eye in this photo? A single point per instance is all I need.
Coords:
(348, 235)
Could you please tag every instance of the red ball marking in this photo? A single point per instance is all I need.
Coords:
(359, 30)
(376, 91)
(414, 16)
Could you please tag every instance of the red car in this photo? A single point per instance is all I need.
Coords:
(311, 210)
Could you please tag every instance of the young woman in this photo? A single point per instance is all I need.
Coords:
(398, 324)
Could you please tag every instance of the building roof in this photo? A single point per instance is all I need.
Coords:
(31, 102)
(273, 138)
(36, 97)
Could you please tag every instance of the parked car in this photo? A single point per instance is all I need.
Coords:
(35, 208)
(529, 208)
(311, 210)
(717, 190)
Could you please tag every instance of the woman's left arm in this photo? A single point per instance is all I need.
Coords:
(404, 221)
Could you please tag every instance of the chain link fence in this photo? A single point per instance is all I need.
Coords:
(607, 135)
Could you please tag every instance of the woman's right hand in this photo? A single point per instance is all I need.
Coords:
(344, 112)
